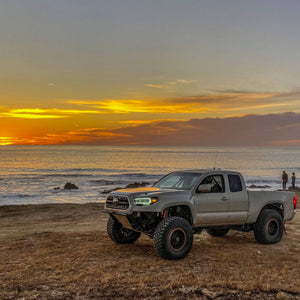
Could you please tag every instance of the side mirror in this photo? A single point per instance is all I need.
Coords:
(204, 188)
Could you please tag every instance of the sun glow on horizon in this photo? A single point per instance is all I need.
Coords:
(134, 121)
(6, 140)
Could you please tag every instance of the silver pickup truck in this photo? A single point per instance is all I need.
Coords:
(186, 202)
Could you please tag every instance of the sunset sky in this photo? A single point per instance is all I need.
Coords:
(166, 72)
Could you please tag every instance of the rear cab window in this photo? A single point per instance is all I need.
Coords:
(235, 183)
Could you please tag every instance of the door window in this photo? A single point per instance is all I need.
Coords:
(212, 184)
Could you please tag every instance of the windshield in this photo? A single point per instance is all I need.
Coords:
(178, 181)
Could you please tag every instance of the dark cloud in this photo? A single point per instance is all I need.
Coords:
(292, 94)
(232, 99)
(231, 91)
(250, 130)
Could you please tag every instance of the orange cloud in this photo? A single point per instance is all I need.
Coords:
(258, 130)
(141, 106)
(142, 125)
(38, 113)
(218, 103)
(81, 136)
(139, 122)
(211, 103)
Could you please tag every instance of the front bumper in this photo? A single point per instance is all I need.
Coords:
(124, 205)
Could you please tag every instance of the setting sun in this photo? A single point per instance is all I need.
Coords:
(5, 140)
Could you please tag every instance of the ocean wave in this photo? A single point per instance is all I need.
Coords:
(63, 175)
(29, 175)
(65, 172)
(102, 179)
(13, 196)
(124, 179)
(45, 176)
(108, 182)
(48, 170)
(259, 180)
(135, 175)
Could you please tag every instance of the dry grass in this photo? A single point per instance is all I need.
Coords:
(63, 252)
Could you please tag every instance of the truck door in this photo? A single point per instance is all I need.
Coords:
(238, 199)
(211, 201)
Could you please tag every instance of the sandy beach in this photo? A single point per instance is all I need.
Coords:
(62, 251)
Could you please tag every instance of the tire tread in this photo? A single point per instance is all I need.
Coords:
(160, 237)
(115, 234)
(259, 227)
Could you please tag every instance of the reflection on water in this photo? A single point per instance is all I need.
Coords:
(28, 174)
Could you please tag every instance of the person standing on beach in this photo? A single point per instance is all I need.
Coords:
(293, 180)
(284, 180)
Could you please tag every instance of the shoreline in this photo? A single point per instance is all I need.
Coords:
(63, 251)
(104, 193)
(39, 177)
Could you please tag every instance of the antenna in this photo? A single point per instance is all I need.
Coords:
(220, 143)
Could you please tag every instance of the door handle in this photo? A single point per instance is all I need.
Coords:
(224, 198)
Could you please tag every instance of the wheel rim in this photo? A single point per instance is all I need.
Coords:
(272, 227)
(177, 239)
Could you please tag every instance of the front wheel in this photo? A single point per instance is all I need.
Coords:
(268, 228)
(119, 234)
(173, 238)
(217, 232)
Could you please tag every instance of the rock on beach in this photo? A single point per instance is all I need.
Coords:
(128, 186)
(297, 188)
(70, 186)
(253, 186)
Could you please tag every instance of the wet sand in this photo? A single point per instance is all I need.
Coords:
(62, 251)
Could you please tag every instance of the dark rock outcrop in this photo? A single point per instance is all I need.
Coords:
(253, 186)
(108, 191)
(136, 185)
(128, 186)
(297, 188)
(70, 186)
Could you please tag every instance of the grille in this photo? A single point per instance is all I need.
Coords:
(117, 202)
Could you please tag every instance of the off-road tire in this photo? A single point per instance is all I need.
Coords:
(173, 238)
(217, 232)
(119, 234)
(268, 228)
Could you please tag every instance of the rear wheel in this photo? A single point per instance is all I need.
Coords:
(217, 232)
(268, 228)
(173, 238)
(119, 234)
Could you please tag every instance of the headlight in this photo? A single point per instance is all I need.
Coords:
(145, 201)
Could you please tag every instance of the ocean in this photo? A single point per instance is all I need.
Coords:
(33, 174)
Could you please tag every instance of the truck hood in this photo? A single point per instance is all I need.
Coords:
(147, 191)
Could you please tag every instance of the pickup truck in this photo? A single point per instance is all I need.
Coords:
(185, 202)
